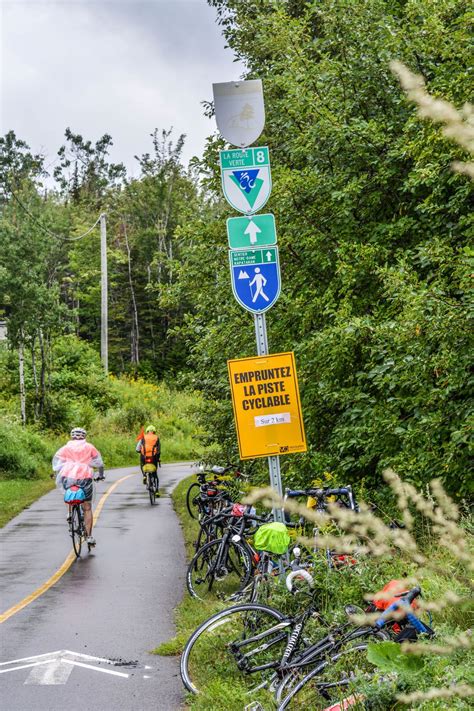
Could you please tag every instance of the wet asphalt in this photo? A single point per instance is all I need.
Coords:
(115, 603)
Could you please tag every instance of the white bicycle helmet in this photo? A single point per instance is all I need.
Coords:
(78, 433)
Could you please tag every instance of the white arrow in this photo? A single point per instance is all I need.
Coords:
(268, 256)
(253, 231)
(55, 667)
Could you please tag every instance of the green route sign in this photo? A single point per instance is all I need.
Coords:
(254, 230)
(246, 178)
(249, 257)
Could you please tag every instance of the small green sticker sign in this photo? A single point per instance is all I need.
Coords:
(246, 158)
(257, 230)
(249, 257)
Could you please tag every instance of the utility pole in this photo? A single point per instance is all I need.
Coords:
(104, 352)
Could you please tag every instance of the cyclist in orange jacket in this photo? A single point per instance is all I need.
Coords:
(149, 447)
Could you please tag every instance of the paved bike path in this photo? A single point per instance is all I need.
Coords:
(115, 604)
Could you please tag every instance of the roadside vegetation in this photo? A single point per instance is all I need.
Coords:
(444, 578)
(112, 409)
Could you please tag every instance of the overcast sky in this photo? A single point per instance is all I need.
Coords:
(121, 67)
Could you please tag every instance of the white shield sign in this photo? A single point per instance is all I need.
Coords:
(239, 109)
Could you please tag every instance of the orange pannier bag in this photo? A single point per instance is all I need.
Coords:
(395, 587)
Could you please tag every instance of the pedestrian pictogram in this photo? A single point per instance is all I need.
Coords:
(246, 178)
(251, 231)
(255, 278)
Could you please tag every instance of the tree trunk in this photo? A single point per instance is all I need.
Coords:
(152, 330)
(35, 375)
(21, 368)
(42, 373)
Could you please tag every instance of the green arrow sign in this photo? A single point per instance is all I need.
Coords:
(258, 231)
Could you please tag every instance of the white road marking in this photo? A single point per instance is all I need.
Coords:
(27, 659)
(56, 668)
(54, 673)
(89, 666)
(25, 666)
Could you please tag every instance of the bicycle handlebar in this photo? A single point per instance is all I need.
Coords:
(299, 574)
(405, 600)
(318, 493)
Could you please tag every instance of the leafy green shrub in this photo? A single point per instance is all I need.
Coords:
(23, 454)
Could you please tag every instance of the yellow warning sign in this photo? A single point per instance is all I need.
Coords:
(267, 406)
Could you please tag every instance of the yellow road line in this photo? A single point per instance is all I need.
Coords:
(65, 566)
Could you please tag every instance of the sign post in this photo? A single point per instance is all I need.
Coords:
(265, 394)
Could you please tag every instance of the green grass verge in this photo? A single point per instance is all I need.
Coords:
(337, 588)
(17, 494)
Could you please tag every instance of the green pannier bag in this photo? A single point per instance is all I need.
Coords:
(272, 537)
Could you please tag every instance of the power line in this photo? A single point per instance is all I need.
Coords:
(45, 229)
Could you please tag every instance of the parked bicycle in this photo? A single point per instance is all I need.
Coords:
(276, 651)
(318, 500)
(223, 567)
(213, 490)
(345, 667)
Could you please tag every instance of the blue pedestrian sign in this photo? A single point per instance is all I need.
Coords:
(256, 278)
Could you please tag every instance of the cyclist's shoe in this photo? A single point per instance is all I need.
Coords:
(144, 480)
(69, 518)
(90, 540)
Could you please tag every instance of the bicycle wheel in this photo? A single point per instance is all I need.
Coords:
(192, 504)
(228, 639)
(151, 488)
(75, 528)
(219, 570)
(335, 680)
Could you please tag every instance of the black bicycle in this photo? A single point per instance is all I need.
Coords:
(213, 490)
(345, 668)
(77, 529)
(75, 519)
(223, 567)
(152, 482)
(277, 651)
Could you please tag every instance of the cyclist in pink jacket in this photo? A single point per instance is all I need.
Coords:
(74, 464)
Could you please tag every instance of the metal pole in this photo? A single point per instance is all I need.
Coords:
(104, 352)
(274, 461)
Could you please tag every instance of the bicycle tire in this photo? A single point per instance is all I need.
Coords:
(318, 690)
(240, 620)
(76, 530)
(233, 574)
(191, 494)
(151, 489)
